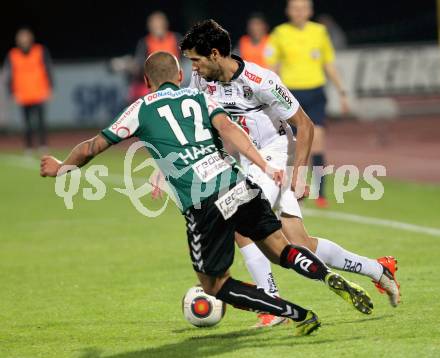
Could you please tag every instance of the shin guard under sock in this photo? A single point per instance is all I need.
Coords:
(303, 261)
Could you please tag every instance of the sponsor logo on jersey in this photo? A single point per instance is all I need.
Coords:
(123, 132)
(169, 93)
(211, 89)
(247, 92)
(252, 77)
(210, 166)
(227, 89)
(125, 115)
(193, 153)
(283, 96)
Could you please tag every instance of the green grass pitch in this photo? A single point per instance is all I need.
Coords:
(101, 280)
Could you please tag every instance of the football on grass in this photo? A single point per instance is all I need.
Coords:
(201, 309)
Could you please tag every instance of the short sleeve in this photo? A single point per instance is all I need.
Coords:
(280, 103)
(196, 81)
(328, 53)
(213, 107)
(125, 125)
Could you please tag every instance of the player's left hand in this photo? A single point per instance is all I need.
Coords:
(49, 166)
(276, 174)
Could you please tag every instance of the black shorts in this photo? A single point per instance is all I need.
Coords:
(313, 102)
(211, 236)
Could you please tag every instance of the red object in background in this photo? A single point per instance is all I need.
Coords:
(253, 52)
(137, 90)
(168, 43)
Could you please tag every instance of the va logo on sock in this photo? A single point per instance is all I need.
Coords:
(303, 261)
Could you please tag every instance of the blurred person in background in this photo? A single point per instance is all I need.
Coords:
(301, 52)
(158, 38)
(337, 35)
(251, 47)
(30, 81)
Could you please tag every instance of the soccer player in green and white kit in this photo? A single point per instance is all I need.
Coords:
(182, 129)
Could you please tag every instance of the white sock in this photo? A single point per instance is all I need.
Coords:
(336, 256)
(259, 268)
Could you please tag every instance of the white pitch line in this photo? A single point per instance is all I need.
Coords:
(31, 163)
(372, 221)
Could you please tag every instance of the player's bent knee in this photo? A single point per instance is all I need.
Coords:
(211, 285)
(242, 241)
(312, 243)
(210, 290)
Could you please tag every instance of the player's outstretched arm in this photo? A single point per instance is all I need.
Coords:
(235, 137)
(304, 139)
(79, 156)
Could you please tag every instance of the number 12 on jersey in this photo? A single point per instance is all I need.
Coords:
(190, 108)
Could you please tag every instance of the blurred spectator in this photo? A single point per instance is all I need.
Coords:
(158, 38)
(337, 35)
(251, 46)
(301, 52)
(29, 80)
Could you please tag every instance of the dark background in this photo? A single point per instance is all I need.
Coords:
(97, 29)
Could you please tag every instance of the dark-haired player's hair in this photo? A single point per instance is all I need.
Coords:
(205, 36)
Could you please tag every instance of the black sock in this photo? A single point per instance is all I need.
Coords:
(303, 261)
(318, 160)
(250, 298)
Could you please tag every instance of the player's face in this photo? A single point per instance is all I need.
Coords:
(299, 11)
(204, 66)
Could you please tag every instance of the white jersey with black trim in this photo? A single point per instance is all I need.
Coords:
(258, 101)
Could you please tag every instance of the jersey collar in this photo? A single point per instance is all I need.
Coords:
(240, 67)
(167, 85)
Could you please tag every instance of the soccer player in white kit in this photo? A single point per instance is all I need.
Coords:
(263, 106)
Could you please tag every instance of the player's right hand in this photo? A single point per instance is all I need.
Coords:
(157, 181)
(49, 166)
